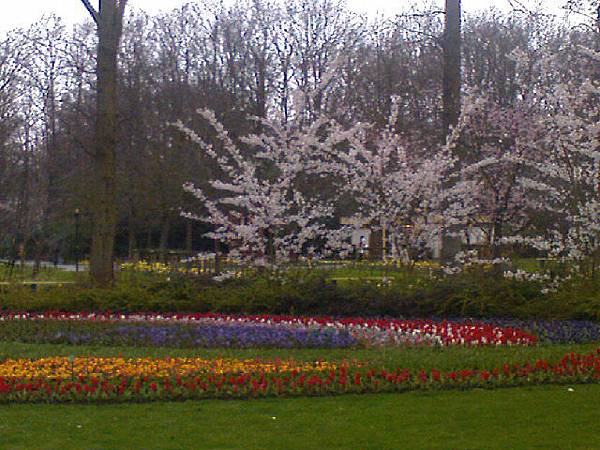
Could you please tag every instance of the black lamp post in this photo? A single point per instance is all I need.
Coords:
(77, 248)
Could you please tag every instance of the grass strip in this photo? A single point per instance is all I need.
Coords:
(546, 417)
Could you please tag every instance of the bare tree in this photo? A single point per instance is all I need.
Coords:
(109, 22)
(15, 53)
(452, 63)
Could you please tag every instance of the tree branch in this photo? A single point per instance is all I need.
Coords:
(419, 15)
(91, 10)
(122, 4)
(519, 7)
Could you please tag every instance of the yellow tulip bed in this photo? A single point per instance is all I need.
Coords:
(67, 368)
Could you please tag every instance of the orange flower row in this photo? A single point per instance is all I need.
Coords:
(65, 368)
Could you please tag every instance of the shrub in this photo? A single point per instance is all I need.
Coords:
(476, 295)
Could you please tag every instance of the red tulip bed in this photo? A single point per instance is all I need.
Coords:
(48, 381)
(368, 332)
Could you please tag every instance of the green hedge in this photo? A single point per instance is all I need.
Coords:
(473, 295)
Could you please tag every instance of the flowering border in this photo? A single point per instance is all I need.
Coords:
(282, 379)
(373, 331)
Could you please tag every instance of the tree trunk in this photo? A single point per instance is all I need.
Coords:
(164, 238)
(131, 234)
(261, 94)
(110, 23)
(149, 243)
(189, 236)
(452, 65)
(497, 237)
(217, 258)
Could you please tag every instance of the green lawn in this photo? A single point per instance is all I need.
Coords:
(548, 417)
(45, 274)
(345, 271)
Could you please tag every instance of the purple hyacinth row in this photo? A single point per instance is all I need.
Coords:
(207, 334)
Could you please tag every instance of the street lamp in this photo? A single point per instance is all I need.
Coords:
(77, 249)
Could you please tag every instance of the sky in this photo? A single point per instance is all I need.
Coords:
(21, 13)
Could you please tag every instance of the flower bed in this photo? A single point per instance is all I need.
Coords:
(556, 331)
(62, 368)
(367, 331)
(118, 379)
(204, 334)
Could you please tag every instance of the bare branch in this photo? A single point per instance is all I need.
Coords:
(520, 7)
(91, 10)
(420, 15)
(122, 5)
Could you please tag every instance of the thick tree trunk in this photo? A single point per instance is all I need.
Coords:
(110, 22)
(452, 64)
(164, 237)
(104, 211)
